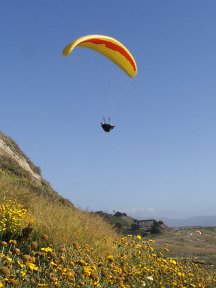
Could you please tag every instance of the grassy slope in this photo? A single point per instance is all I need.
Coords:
(64, 223)
(53, 215)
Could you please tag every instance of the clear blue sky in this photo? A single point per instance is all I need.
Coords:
(160, 160)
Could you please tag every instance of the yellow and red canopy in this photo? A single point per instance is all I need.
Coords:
(109, 47)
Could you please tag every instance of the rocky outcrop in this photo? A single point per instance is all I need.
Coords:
(5, 150)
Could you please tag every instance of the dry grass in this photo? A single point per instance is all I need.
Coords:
(67, 226)
(62, 223)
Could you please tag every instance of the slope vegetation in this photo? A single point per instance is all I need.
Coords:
(21, 180)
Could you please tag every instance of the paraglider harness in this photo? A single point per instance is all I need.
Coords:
(107, 127)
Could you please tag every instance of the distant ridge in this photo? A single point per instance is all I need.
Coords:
(192, 221)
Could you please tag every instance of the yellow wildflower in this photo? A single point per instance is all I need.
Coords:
(47, 249)
(82, 262)
(54, 279)
(32, 266)
(173, 261)
(87, 270)
(23, 273)
(110, 258)
(53, 263)
(14, 242)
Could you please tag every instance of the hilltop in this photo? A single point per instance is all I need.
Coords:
(126, 224)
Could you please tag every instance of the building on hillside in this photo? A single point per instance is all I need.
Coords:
(146, 224)
(149, 223)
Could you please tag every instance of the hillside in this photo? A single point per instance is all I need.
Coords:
(121, 221)
(21, 181)
(18, 170)
(45, 241)
(125, 224)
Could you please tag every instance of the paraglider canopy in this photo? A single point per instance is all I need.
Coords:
(109, 47)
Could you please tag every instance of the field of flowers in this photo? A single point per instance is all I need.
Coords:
(28, 259)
